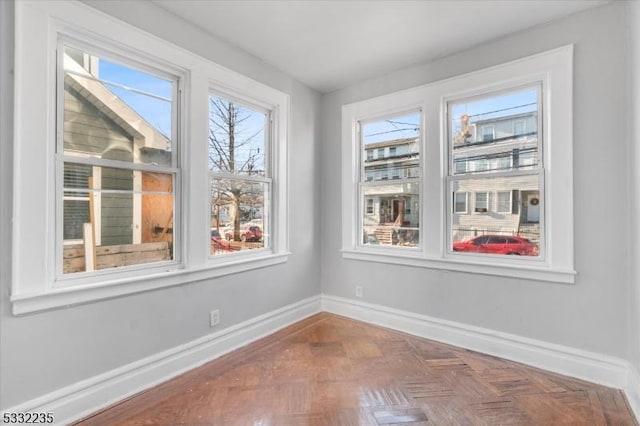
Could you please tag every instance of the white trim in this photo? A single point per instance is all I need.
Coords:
(473, 264)
(487, 206)
(68, 296)
(554, 70)
(33, 288)
(632, 390)
(590, 366)
(81, 399)
(510, 194)
(466, 202)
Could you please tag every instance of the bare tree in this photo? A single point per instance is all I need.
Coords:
(232, 150)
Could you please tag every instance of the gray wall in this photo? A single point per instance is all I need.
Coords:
(590, 315)
(42, 352)
(634, 158)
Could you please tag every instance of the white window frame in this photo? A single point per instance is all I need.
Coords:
(466, 203)
(510, 207)
(362, 182)
(370, 207)
(485, 207)
(243, 100)
(39, 25)
(483, 132)
(524, 127)
(554, 71)
(124, 57)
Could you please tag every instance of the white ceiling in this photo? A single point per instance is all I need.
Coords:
(331, 44)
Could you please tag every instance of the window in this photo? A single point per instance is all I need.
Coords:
(460, 165)
(487, 133)
(369, 155)
(482, 202)
(493, 171)
(239, 176)
(392, 151)
(370, 206)
(121, 198)
(503, 202)
(486, 142)
(117, 162)
(460, 202)
(395, 223)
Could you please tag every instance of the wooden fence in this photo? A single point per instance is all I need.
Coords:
(115, 256)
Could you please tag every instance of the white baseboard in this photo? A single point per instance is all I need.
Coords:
(593, 367)
(83, 398)
(79, 400)
(632, 390)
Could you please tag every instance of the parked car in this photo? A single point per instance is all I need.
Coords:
(249, 233)
(218, 243)
(497, 244)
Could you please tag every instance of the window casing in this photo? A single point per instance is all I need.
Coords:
(443, 174)
(116, 172)
(50, 218)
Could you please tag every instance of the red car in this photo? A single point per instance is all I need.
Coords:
(497, 244)
(250, 233)
(218, 243)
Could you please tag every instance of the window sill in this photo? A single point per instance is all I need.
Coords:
(521, 270)
(69, 296)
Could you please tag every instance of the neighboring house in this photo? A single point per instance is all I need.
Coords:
(492, 202)
(396, 204)
(129, 207)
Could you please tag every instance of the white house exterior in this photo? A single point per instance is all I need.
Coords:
(490, 200)
(392, 203)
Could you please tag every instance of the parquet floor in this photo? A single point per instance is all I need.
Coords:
(330, 370)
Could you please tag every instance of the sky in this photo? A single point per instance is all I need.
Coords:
(400, 127)
(154, 110)
(496, 106)
(151, 96)
(408, 125)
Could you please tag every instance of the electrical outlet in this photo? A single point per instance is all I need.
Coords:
(214, 318)
(358, 291)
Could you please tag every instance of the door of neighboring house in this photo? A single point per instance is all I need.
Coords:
(398, 212)
(531, 207)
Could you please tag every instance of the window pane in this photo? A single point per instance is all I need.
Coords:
(504, 202)
(115, 217)
(114, 112)
(482, 202)
(495, 133)
(499, 211)
(460, 202)
(239, 219)
(236, 138)
(394, 217)
(395, 142)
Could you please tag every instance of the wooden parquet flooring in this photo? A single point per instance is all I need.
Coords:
(334, 371)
